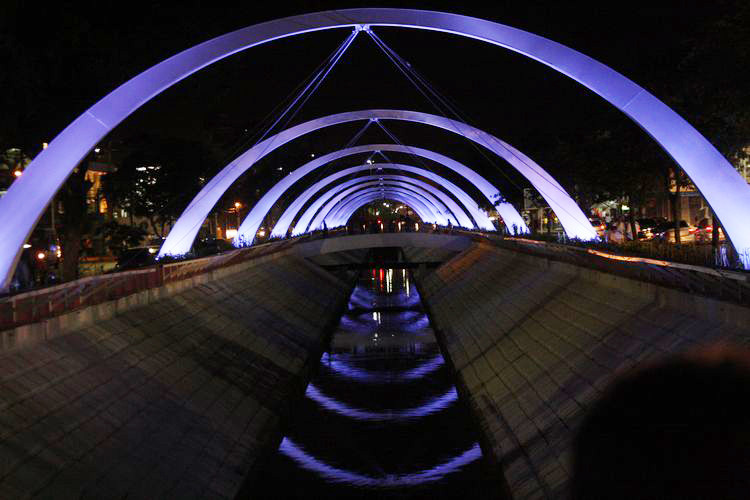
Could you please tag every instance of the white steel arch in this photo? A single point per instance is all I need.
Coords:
(358, 200)
(181, 237)
(438, 215)
(507, 211)
(459, 211)
(721, 185)
(447, 207)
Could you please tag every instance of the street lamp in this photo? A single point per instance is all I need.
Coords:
(237, 206)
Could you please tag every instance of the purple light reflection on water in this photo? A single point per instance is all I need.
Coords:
(346, 369)
(431, 406)
(405, 321)
(362, 298)
(334, 474)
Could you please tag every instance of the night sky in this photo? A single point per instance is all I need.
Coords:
(59, 60)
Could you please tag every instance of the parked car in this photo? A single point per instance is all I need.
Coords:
(599, 226)
(211, 246)
(704, 232)
(647, 227)
(134, 258)
(665, 232)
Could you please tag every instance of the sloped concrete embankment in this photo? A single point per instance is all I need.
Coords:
(534, 343)
(175, 399)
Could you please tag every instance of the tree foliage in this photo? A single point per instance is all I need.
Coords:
(158, 179)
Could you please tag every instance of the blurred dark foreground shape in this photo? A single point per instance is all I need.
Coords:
(677, 429)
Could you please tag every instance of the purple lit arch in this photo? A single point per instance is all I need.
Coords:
(509, 214)
(718, 181)
(371, 187)
(410, 198)
(373, 194)
(425, 204)
(181, 237)
(282, 226)
(343, 209)
(445, 203)
(456, 210)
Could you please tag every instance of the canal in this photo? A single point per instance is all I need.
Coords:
(381, 417)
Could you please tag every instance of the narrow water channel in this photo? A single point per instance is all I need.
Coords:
(381, 418)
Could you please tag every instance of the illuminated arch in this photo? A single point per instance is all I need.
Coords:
(342, 208)
(463, 212)
(509, 214)
(448, 207)
(305, 219)
(374, 193)
(180, 238)
(721, 185)
(434, 213)
(436, 197)
(426, 204)
(459, 212)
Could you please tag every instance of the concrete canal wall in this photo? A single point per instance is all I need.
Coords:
(534, 342)
(171, 399)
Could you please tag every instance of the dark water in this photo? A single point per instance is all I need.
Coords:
(381, 418)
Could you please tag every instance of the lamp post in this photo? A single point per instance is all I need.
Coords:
(237, 206)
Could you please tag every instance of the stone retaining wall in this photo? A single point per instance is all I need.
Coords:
(534, 342)
(173, 399)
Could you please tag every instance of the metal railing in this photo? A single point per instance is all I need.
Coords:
(36, 305)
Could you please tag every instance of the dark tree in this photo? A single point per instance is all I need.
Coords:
(158, 179)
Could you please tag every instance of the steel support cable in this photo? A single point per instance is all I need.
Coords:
(405, 67)
(408, 69)
(419, 159)
(319, 173)
(312, 77)
(413, 76)
(263, 124)
(308, 90)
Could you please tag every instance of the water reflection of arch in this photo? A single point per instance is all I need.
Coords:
(335, 474)
(345, 369)
(429, 407)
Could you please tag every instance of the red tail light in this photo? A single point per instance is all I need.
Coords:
(709, 229)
